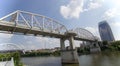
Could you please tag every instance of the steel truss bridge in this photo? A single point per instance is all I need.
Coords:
(34, 24)
(30, 23)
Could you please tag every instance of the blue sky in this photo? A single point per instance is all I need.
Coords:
(72, 13)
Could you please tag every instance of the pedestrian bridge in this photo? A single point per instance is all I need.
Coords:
(34, 24)
(30, 23)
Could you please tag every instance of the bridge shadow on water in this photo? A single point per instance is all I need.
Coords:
(70, 64)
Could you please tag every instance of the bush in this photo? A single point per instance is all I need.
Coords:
(113, 46)
(7, 56)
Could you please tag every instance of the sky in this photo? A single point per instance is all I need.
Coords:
(71, 13)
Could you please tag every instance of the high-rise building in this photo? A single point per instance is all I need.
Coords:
(105, 31)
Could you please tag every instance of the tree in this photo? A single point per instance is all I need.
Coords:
(105, 42)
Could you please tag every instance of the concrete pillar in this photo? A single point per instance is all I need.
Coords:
(73, 51)
(62, 44)
(94, 47)
(71, 41)
(69, 55)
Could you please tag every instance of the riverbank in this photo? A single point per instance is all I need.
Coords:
(37, 54)
(105, 47)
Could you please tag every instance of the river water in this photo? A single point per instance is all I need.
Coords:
(102, 59)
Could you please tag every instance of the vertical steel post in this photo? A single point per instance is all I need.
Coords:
(43, 23)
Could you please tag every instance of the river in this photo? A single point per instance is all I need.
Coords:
(102, 59)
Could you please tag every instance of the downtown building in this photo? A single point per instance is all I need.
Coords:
(105, 31)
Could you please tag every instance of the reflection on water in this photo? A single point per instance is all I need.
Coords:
(42, 61)
(103, 59)
(70, 64)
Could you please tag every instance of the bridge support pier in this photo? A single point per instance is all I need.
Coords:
(68, 56)
(94, 48)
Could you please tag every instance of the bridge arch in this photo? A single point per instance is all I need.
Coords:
(83, 33)
(11, 46)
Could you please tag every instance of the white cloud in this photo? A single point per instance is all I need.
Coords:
(115, 29)
(73, 9)
(5, 36)
(114, 11)
(48, 42)
(115, 3)
(115, 24)
(93, 4)
(110, 13)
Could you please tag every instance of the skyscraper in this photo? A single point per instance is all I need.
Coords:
(105, 31)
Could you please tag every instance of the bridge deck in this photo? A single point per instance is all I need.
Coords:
(10, 27)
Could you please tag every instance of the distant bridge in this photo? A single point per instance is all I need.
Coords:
(35, 24)
(10, 47)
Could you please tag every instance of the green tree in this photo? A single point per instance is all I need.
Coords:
(105, 42)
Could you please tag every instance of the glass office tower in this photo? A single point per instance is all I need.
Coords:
(105, 31)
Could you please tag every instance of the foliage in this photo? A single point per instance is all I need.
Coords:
(112, 46)
(106, 46)
(32, 54)
(16, 57)
(56, 53)
(7, 56)
(38, 53)
(85, 50)
(105, 42)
